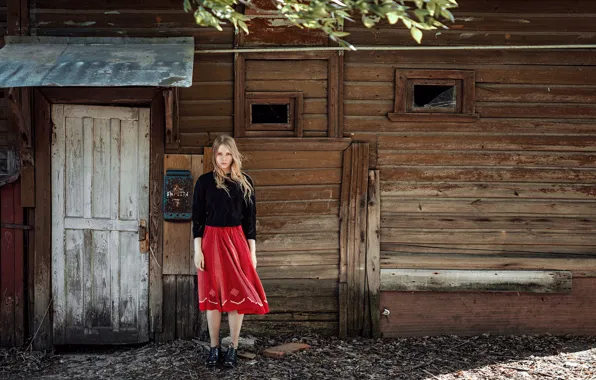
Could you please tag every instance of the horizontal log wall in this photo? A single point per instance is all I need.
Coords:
(298, 199)
(513, 190)
(307, 76)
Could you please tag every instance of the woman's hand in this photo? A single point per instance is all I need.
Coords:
(253, 258)
(252, 245)
(199, 260)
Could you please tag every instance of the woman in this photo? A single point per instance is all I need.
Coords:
(224, 230)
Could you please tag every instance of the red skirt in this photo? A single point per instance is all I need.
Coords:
(229, 281)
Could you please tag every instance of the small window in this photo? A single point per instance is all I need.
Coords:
(434, 95)
(270, 113)
(273, 114)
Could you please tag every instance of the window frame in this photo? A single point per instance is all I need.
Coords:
(292, 129)
(405, 80)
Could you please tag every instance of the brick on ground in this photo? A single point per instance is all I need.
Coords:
(284, 349)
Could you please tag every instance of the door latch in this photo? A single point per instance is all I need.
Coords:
(143, 236)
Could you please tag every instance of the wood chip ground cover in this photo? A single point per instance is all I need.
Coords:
(444, 357)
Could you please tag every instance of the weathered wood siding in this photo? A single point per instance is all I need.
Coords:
(3, 23)
(513, 190)
(458, 313)
(4, 137)
(298, 200)
(496, 22)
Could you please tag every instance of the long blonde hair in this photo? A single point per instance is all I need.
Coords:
(236, 173)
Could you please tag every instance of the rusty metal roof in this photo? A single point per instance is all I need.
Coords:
(90, 61)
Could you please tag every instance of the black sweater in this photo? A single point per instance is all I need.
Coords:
(214, 207)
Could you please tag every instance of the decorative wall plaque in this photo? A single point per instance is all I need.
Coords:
(177, 195)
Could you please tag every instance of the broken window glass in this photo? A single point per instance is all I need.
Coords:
(433, 96)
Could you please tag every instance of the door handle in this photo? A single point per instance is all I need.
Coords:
(143, 236)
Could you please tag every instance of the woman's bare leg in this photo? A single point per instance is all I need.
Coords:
(235, 321)
(214, 322)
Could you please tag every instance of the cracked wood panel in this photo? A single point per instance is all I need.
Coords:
(100, 182)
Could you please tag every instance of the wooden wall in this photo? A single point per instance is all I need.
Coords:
(298, 194)
(513, 190)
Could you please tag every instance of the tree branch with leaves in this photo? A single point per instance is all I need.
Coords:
(330, 15)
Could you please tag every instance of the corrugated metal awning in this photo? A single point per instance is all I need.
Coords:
(91, 61)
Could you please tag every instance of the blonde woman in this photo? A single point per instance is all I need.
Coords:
(224, 230)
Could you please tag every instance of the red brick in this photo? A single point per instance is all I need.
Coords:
(284, 349)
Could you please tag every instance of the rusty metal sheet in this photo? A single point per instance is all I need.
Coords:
(96, 61)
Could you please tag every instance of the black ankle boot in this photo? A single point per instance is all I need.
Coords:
(231, 358)
(215, 356)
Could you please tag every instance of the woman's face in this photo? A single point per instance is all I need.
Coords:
(223, 158)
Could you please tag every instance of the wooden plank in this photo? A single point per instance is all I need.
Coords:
(502, 223)
(489, 206)
(344, 238)
(488, 174)
(532, 110)
(168, 330)
(41, 322)
(176, 245)
(333, 96)
(296, 177)
(475, 281)
(196, 171)
(7, 266)
(489, 190)
(66, 265)
(323, 207)
(207, 91)
(240, 78)
(185, 307)
(19, 268)
(298, 258)
(303, 304)
(291, 159)
(580, 267)
(298, 192)
(156, 161)
(484, 125)
(292, 317)
(494, 313)
(297, 144)
(319, 272)
(492, 158)
(291, 242)
(219, 107)
(297, 224)
(505, 142)
(368, 107)
(535, 93)
(311, 88)
(456, 59)
(503, 250)
(373, 253)
(195, 124)
(451, 236)
(286, 69)
(529, 74)
(277, 328)
(300, 287)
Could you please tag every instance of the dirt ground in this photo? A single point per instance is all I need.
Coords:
(445, 357)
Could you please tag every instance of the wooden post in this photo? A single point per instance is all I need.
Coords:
(373, 252)
(353, 240)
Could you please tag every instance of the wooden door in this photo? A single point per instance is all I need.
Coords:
(100, 197)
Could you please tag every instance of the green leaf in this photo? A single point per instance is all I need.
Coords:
(392, 17)
(416, 34)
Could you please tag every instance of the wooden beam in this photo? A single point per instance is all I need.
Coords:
(373, 253)
(42, 258)
(239, 95)
(156, 215)
(519, 281)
